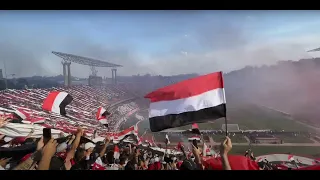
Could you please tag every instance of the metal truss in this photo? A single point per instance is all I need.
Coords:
(85, 61)
(314, 50)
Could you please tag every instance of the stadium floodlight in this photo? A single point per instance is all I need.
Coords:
(93, 63)
(84, 60)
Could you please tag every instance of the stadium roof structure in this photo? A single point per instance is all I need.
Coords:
(314, 50)
(84, 60)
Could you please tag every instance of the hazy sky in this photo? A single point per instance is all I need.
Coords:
(156, 42)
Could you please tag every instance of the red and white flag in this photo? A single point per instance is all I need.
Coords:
(101, 115)
(195, 129)
(290, 158)
(6, 115)
(197, 138)
(194, 100)
(21, 114)
(97, 166)
(130, 132)
(34, 120)
(139, 141)
(116, 152)
(180, 146)
(56, 102)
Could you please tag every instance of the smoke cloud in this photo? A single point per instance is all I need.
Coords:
(194, 42)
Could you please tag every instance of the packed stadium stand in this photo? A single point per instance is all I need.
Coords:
(81, 111)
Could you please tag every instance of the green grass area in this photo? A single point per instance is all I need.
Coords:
(250, 117)
(254, 117)
(262, 150)
(235, 139)
(292, 139)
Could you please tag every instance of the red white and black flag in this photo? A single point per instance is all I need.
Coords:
(199, 99)
(102, 116)
(56, 102)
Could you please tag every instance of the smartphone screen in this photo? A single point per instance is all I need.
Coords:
(46, 135)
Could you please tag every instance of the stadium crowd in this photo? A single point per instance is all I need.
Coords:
(81, 111)
(79, 142)
(73, 153)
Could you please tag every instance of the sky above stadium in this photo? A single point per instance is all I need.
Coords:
(155, 42)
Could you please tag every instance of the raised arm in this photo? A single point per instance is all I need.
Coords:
(75, 145)
(225, 147)
(48, 151)
(104, 149)
(196, 152)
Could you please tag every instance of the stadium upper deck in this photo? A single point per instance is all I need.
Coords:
(81, 111)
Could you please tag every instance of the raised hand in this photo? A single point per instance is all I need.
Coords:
(196, 151)
(50, 148)
(80, 131)
(3, 121)
(225, 146)
(107, 139)
(4, 162)
(40, 144)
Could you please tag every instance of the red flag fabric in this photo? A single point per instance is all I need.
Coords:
(194, 126)
(237, 162)
(26, 157)
(101, 115)
(56, 102)
(195, 129)
(116, 153)
(179, 146)
(187, 102)
(97, 166)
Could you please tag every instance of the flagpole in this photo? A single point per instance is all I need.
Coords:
(225, 118)
(226, 125)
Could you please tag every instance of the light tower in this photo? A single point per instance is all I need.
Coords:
(114, 75)
(93, 63)
(64, 68)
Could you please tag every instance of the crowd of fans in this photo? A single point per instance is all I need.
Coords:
(75, 149)
(75, 153)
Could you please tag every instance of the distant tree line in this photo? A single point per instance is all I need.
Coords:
(23, 83)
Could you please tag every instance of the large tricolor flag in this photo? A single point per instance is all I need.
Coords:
(198, 99)
(129, 132)
(56, 102)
